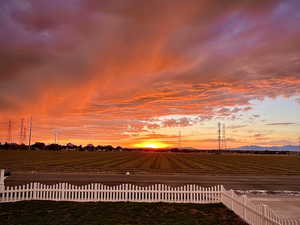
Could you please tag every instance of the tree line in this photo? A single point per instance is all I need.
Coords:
(58, 147)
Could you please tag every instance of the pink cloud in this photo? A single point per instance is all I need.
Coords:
(183, 122)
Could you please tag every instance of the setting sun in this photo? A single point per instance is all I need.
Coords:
(151, 145)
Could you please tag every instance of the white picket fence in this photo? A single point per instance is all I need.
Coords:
(251, 213)
(119, 193)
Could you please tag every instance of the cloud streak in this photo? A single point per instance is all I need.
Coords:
(280, 124)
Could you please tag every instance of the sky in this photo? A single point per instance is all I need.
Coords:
(144, 73)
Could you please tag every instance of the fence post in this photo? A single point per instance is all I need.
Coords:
(264, 215)
(2, 178)
(221, 190)
(232, 196)
(244, 206)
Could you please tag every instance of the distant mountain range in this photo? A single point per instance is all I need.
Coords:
(270, 148)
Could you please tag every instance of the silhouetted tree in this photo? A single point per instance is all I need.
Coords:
(89, 147)
(38, 146)
(119, 148)
(53, 147)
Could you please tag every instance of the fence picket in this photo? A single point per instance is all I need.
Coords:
(199, 194)
(58, 191)
(15, 193)
(110, 193)
(50, 192)
(39, 191)
(113, 193)
(95, 186)
(53, 191)
(106, 193)
(8, 194)
(46, 192)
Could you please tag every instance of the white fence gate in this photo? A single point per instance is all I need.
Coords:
(251, 213)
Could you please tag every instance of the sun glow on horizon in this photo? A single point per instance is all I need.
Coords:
(151, 145)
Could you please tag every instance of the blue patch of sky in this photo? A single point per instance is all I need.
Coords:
(278, 110)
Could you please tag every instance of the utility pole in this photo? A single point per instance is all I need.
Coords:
(224, 138)
(21, 134)
(30, 133)
(55, 136)
(219, 135)
(179, 139)
(24, 132)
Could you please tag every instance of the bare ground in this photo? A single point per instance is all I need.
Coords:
(284, 205)
(271, 183)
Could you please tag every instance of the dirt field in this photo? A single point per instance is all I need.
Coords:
(239, 172)
(271, 183)
(150, 163)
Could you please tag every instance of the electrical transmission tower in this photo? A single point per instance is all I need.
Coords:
(30, 133)
(55, 136)
(21, 132)
(179, 139)
(219, 136)
(222, 136)
(224, 145)
(9, 132)
(24, 132)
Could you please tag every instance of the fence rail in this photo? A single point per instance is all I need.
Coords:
(241, 205)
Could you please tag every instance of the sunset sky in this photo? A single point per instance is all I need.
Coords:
(136, 73)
